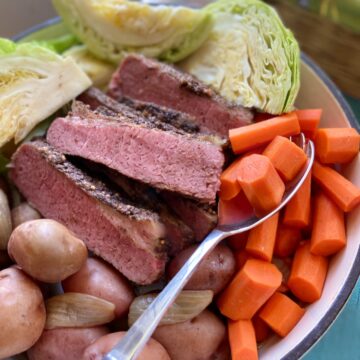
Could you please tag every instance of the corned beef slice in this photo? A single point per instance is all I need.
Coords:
(148, 80)
(201, 218)
(129, 237)
(135, 147)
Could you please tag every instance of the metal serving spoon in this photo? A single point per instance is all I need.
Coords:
(138, 335)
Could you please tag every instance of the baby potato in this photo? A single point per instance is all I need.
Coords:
(213, 273)
(100, 279)
(47, 250)
(65, 344)
(22, 213)
(22, 312)
(196, 339)
(152, 351)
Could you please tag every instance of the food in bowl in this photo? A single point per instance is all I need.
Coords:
(136, 174)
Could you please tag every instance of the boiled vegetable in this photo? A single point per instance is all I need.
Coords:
(249, 290)
(262, 330)
(229, 186)
(309, 120)
(23, 213)
(281, 314)
(112, 28)
(308, 273)
(328, 233)
(34, 83)
(251, 136)
(287, 240)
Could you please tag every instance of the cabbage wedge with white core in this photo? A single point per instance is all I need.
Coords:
(112, 28)
(34, 83)
(249, 57)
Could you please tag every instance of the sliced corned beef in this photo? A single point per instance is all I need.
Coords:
(148, 80)
(137, 148)
(129, 237)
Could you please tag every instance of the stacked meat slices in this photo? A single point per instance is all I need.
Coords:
(158, 149)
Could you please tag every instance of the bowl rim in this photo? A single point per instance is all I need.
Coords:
(334, 311)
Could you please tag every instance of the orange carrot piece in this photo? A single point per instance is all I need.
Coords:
(287, 240)
(261, 183)
(287, 158)
(336, 145)
(308, 273)
(242, 340)
(229, 186)
(262, 330)
(241, 257)
(309, 120)
(238, 241)
(345, 194)
(261, 240)
(281, 314)
(249, 290)
(247, 137)
(328, 234)
(235, 210)
(297, 211)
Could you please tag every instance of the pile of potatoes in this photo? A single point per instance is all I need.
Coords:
(37, 255)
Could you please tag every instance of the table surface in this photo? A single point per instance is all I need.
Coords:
(342, 340)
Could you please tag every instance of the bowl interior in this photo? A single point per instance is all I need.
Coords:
(345, 266)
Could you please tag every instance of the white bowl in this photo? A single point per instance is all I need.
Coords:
(317, 91)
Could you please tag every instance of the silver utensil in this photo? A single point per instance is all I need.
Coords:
(138, 335)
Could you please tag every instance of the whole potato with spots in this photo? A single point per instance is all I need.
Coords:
(100, 279)
(213, 273)
(152, 351)
(196, 339)
(22, 312)
(65, 343)
(47, 250)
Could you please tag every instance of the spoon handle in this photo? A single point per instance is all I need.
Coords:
(139, 334)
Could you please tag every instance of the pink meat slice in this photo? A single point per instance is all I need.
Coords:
(150, 81)
(128, 237)
(163, 159)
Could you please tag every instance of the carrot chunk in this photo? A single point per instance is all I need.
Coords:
(261, 240)
(287, 158)
(242, 340)
(345, 194)
(241, 257)
(229, 186)
(328, 234)
(336, 145)
(247, 137)
(249, 289)
(307, 275)
(262, 330)
(261, 183)
(297, 211)
(287, 240)
(309, 120)
(281, 314)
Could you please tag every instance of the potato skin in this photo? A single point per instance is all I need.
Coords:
(22, 213)
(100, 279)
(152, 351)
(22, 312)
(65, 344)
(47, 250)
(196, 339)
(213, 273)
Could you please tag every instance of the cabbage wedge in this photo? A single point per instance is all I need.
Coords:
(112, 28)
(34, 83)
(249, 57)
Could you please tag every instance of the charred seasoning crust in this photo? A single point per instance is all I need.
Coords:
(91, 186)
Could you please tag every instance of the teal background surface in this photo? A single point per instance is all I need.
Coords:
(342, 340)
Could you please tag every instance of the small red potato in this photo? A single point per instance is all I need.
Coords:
(152, 351)
(22, 213)
(22, 312)
(100, 279)
(47, 250)
(65, 344)
(213, 273)
(196, 339)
